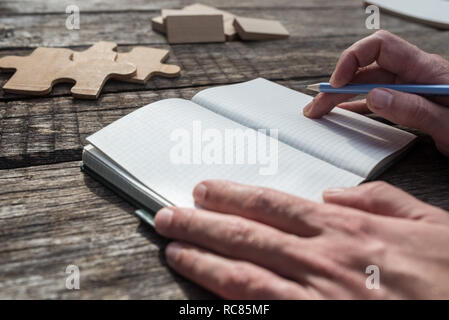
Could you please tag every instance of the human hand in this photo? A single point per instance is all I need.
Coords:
(257, 243)
(386, 58)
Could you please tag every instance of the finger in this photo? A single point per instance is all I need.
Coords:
(280, 210)
(392, 54)
(358, 106)
(230, 279)
(406, 62)
(383, 199)
(409, 110)
(323, 103)
(291, 214)
(237, 238)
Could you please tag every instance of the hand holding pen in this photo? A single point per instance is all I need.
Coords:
(386, 58)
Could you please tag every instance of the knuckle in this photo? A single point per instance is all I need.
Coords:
(348, 53)
(238, 232)
(376, 190)
(375, 249)
(420, 112)
(306, 207)
(307, 212)
(242, 280)
(259, 200)
(183, 219)
(182, 260)
(383, 34)
(349, 223)
(440, 61)
(236, 278)
(377, 187)
(355, 226)
(261, 286)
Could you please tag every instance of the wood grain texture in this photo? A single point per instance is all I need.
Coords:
(135, 27)
(52, 215)
(43, 131)
(212, 64)
(52, 6)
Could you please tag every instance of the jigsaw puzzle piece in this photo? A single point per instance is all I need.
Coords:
(37, 73)
(93, 67)
(149, 63)
(100, 50)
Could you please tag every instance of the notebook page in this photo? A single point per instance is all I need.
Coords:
(347, 140)
(142, 144)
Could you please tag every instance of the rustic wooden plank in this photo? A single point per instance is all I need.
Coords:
(212, 64)
(54, 216)
(424, 173)
(50, 6)
(43, 131)
(134, 27)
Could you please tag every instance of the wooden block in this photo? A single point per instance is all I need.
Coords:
(228, 18)
(191, 27)
(259, 29)
(157, 24)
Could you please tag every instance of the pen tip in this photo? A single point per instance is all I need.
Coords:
(314, 87)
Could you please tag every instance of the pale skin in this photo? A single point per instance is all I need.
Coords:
(249, 242)
(386, 58)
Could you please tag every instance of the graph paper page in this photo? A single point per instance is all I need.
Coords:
(347, 140)
(142, 144)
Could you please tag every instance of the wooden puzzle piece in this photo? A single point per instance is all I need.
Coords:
(260, 29)
(93, 67)
(149, 63)
(88, 70)
(37, 73)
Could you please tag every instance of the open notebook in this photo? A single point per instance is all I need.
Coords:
(135, 153)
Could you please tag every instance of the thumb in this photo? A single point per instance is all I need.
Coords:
(408, 110)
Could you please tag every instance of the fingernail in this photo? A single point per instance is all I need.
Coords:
(172, 252)
(163, 219)
(333, 191)
(199, 193)
(380, 98)
(307, 109)
(332, 80)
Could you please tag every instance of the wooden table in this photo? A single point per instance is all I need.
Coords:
(52, 215)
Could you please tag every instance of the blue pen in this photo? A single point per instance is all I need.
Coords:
(354, 88)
